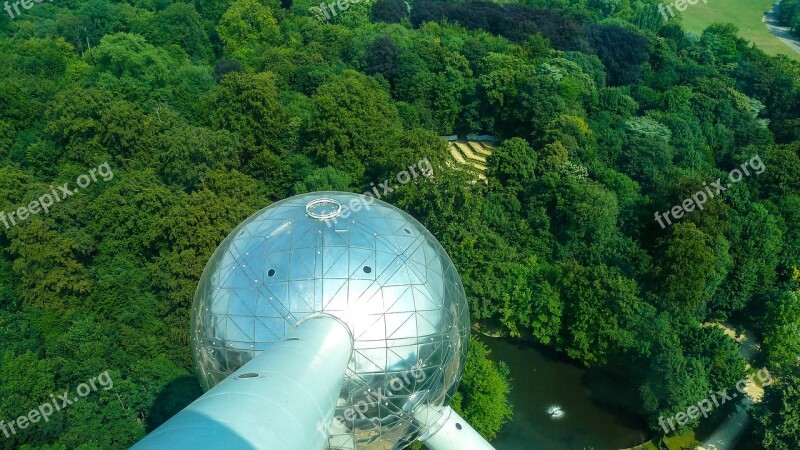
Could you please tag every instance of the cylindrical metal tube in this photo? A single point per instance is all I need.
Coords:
(283, 399)
(449, 431)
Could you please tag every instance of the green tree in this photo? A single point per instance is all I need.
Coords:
(35, 378)
(673, 382)
(353, 122)
(683, 266)
(583, 214)
(246, 22)
(601, 312)
(482, 397)
(529, 304)
(127, 63)
(324, 179)
(719, 353)
(782, 334)
(248, 105)
(777, 417)
(181, 24)
(49, 266)
(755, 247)
(125, 215)
(389, 11)
(512, 164)
(782, 170)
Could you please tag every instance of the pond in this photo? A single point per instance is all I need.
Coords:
(557, 403)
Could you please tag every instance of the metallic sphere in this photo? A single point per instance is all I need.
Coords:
(369, 264)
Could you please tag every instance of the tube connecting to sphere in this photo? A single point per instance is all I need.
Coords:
(269, 402)
(375, 275)
(452, 432)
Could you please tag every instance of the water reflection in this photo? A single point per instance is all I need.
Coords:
(556, 406)
(555, 412)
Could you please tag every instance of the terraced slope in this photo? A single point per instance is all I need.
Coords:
(471, 154)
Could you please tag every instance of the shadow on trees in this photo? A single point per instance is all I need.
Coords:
(177, 395)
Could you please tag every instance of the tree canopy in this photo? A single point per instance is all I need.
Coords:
(209, 111)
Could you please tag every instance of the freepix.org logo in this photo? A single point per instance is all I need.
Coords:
(362, 407)
(700, 198)
(56, 404)
(403, 177)
(26, 4)
(717, 399)
(680, 5)
(59, 193)
(322, 11)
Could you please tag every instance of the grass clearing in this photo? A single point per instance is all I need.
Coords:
(745, 14)
(681, 442)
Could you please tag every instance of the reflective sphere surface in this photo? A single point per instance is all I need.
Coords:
(364, 261)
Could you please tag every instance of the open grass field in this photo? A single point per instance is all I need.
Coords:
(680, 442)
(745, 14)
(646, 446)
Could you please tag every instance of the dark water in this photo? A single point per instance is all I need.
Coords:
(542, 379)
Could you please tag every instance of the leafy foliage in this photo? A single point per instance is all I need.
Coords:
(210, 111)
(777, 424)
(484, 388)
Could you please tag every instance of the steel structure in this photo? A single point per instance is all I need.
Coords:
(327, 320)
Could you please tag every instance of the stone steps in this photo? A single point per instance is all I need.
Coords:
(456, 154)
(466, 150)
(471, 155)
(480, 148)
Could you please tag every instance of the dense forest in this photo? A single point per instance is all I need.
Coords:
(790, 14)
(205, 112)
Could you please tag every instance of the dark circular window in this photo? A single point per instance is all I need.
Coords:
(407, 230)
(367, 269)
(248, 375)
(271, 273)
(458, 425)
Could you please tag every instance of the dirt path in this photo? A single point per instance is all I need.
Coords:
(781, 32)
(726, 435)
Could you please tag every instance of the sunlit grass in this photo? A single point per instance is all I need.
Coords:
(745, 14)
(681, 441)
(649, 445)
